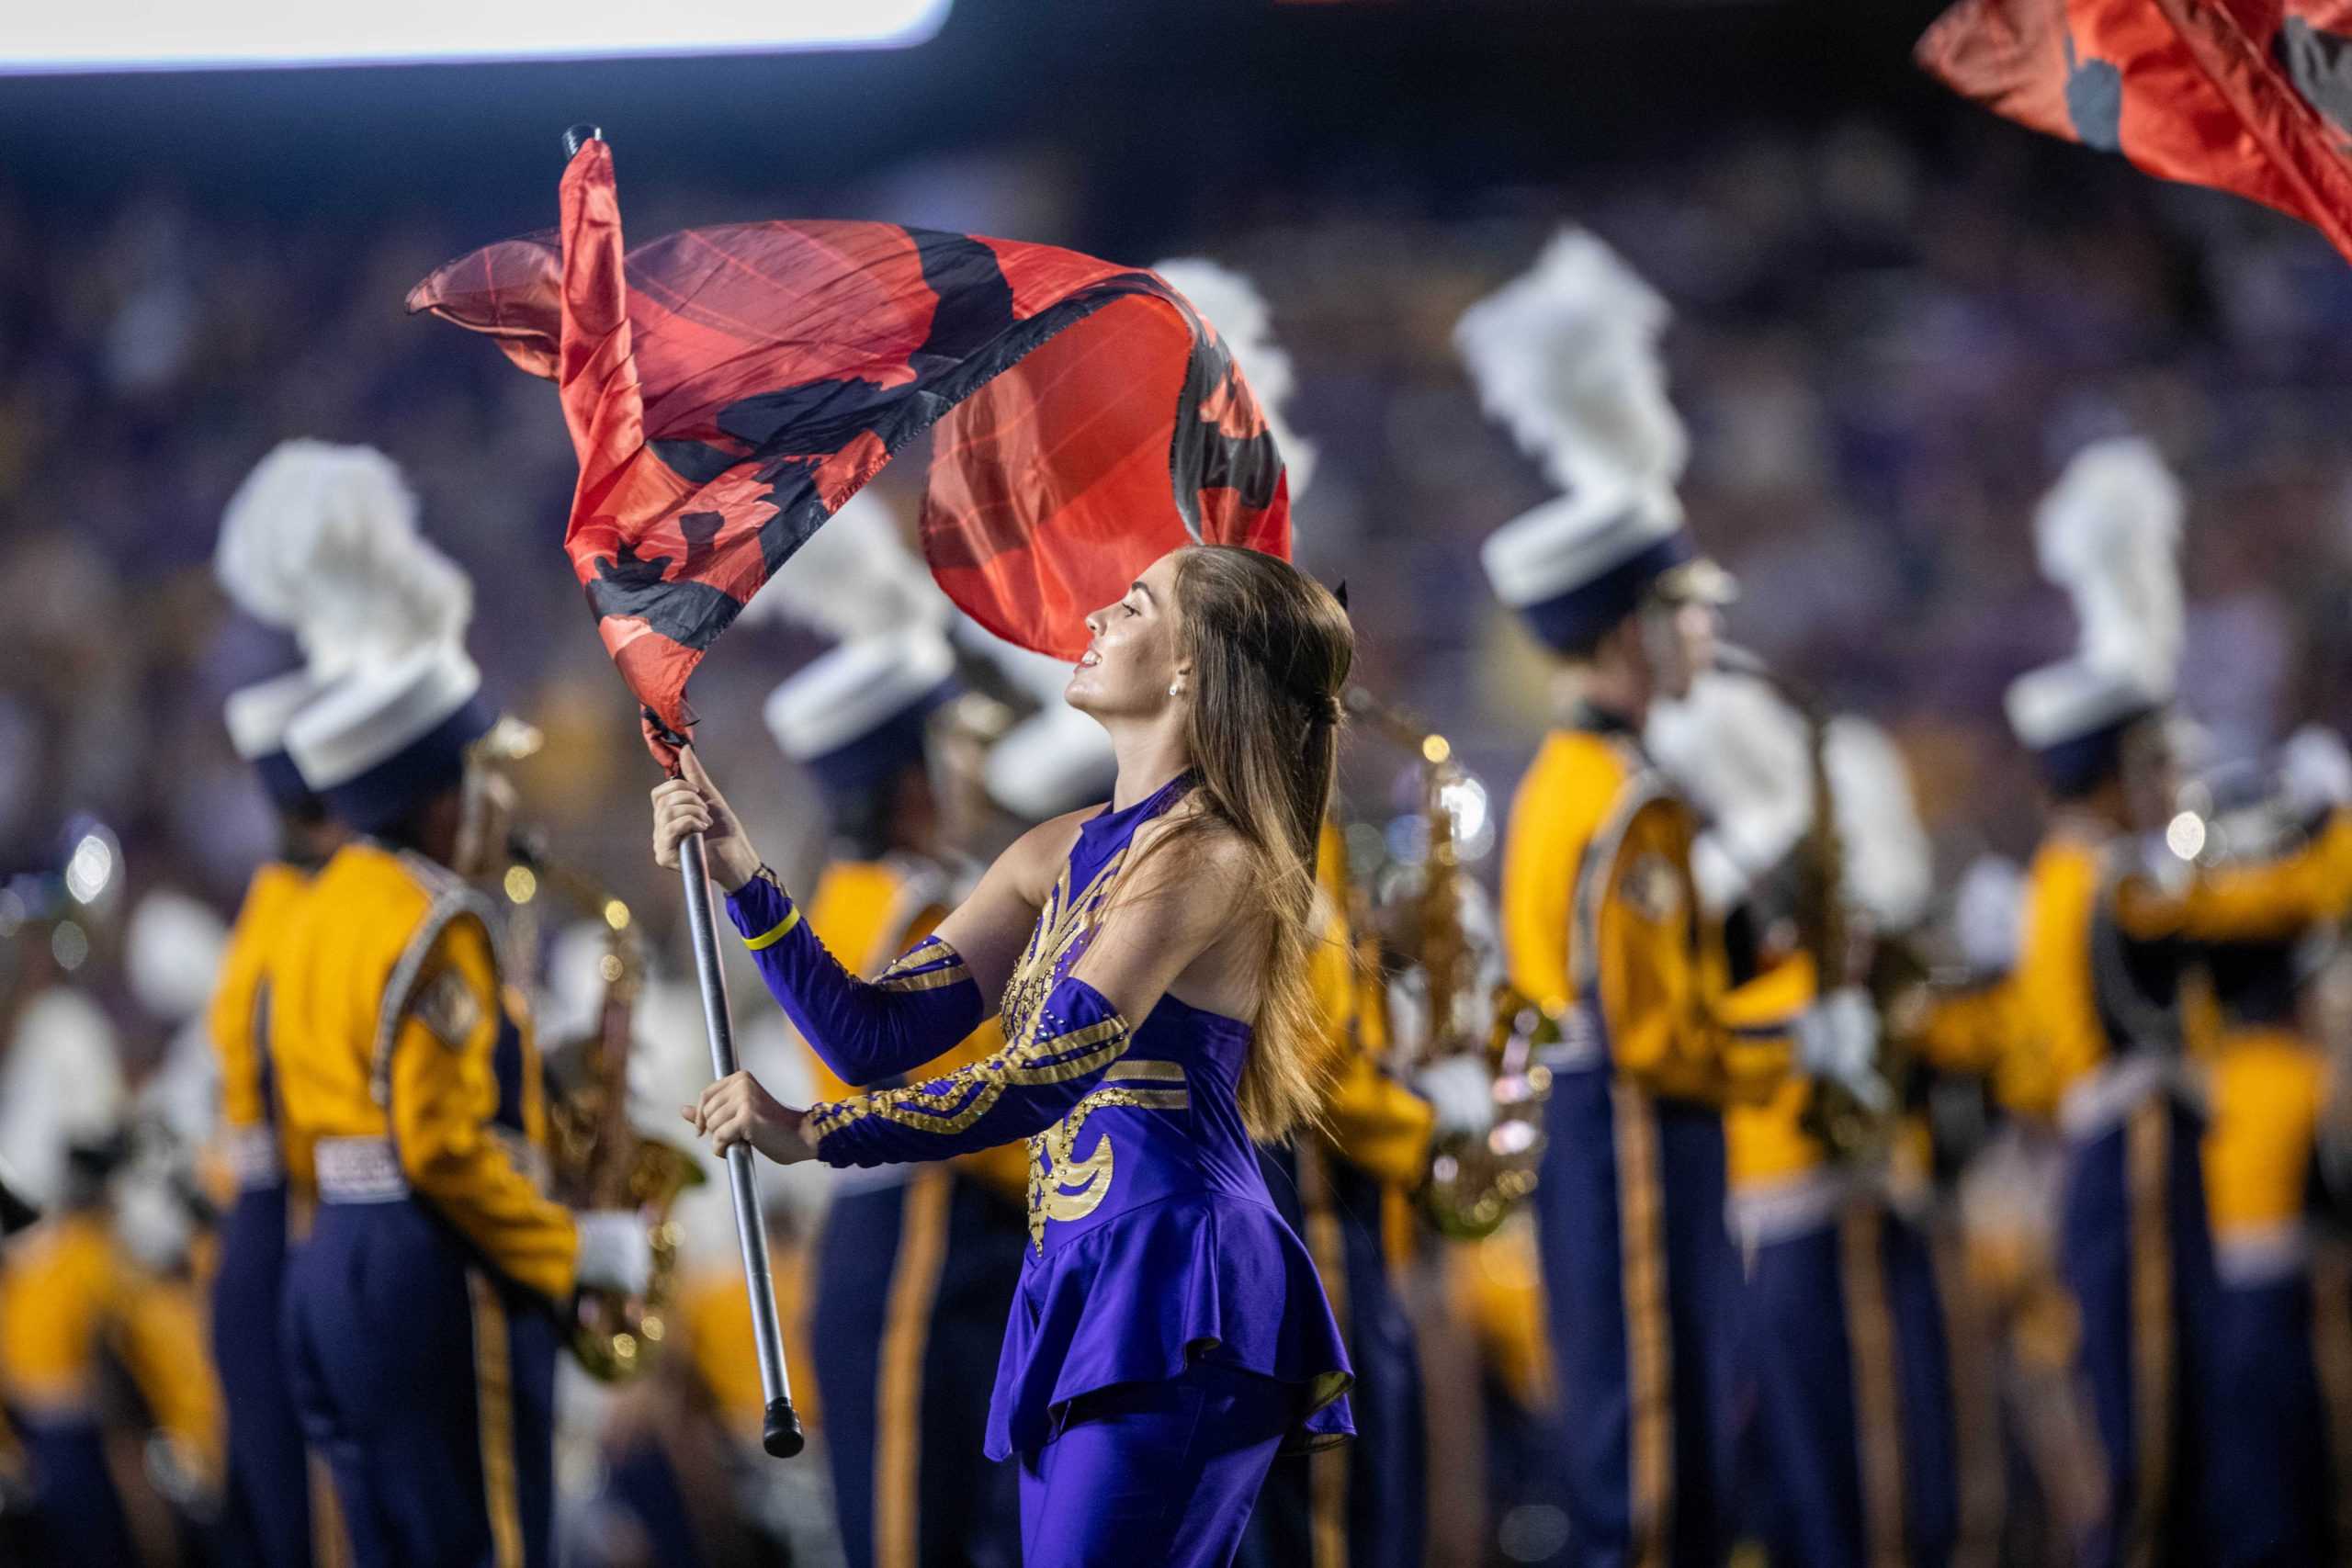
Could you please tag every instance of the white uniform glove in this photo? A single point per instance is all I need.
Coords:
(1987, 914)
(1717, 873)
(616, 1252)
(151, 1222)
(1837, 1039)
(1409, 1014)
(1462, 1093)
(2315, 770)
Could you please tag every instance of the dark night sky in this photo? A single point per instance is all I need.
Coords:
(1170, 102)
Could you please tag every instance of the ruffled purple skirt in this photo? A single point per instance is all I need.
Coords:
(1146, 1294)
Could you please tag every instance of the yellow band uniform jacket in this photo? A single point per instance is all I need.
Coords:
(238, 1026)
(2267, 1082)
(2062, 1036)
(1369, 1119)
(1965, 1030)
(2068, 999)
(2268, 1086)
(391, 1018)
(1598, 897)
(72, 1303)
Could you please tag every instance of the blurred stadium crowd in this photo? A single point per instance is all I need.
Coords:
(1882, 365)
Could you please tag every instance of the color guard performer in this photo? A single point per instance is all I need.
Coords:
(1170, 1334)
(1601, 921)
(421, 1310)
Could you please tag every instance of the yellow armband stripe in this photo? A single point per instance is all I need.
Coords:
(775, 933)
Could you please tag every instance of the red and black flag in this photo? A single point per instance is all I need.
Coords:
(2250, 97)
(729, 389)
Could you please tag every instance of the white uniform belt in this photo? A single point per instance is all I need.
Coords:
(1579, 1045)
(253, 1158)
(1797, 1206)
(2264, 1255)
(359, 1170)
(2097, 1102)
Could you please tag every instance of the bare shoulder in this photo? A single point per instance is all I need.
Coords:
(1031, 862)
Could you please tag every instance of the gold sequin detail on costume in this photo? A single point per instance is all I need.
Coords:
(927, 966)
(1074, 1187)
(1063, 923)
(1031, 1055)
(1061, 926)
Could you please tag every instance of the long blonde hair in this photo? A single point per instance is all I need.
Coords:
(1270, 649)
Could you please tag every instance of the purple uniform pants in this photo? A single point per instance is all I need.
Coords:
(1154, 1474)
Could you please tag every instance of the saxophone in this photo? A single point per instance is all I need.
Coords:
(1474, 1180)
(1849, 1128)
(598, 1160)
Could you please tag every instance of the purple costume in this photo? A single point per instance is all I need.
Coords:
(1169, 1332)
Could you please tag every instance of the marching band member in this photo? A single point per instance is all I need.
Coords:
(2271, 889)
(1844, 1326)
(319, 541)
(1601, 921)
(1170, 1334)
(62, 1310)
(2268, 1086)
(1494, 1289)
(419, 1311)
(2031, 1473)
(1983, 1183)
(76, 1307)
(2099, 1033)
(267, 1513)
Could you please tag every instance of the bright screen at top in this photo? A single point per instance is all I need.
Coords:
(138, 35)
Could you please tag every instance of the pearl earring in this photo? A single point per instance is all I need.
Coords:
(1175, 688)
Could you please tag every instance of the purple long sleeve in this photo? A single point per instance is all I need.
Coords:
(867, 1031)
(1076, 1037)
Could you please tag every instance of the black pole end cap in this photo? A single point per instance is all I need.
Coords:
(783, 1438)
(578, 135)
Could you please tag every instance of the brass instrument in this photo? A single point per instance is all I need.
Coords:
(598, 1160)
(1473, 1182)
(1844, 1126)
